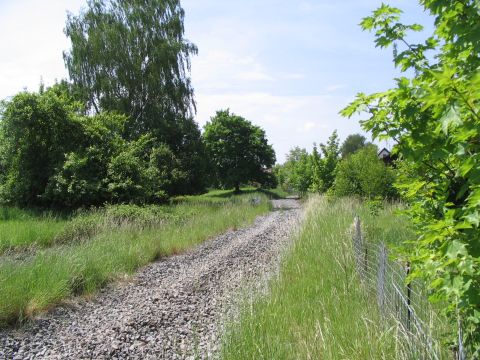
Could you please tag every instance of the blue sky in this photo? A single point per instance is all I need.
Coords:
(287, 66)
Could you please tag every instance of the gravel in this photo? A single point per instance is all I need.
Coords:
(174, 308)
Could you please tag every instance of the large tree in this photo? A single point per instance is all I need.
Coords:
(239, 151)
(352, 144)
(131, 56)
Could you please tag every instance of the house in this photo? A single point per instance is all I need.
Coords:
(386, 156)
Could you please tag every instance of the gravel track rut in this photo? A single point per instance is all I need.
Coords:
(171, 309)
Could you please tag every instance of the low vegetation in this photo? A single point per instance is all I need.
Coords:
(315, 308)
(84, 253)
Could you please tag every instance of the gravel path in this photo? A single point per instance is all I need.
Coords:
(172, 309)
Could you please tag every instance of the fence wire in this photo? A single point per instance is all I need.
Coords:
(406, 302)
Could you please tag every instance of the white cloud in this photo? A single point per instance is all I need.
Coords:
(32, 43)
(308, 126)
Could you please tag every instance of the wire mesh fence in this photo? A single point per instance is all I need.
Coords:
(405, 302)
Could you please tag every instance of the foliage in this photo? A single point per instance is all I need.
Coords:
(316, 171)
(82, 179)
(330, 153)
(36, 131)
(52, 155)
(304, 172)
(295, 174)
(352, 144)
(131, 57)
(433, 114)
(363, 174)
(129, 64)
(239, 151)
(142, 172)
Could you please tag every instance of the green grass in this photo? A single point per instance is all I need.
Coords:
(26, 228)
(19, 234)
(102, 245)
(316, 308)
(386, 224)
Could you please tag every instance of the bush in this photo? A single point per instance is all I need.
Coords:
(36, 131)
(363, 174)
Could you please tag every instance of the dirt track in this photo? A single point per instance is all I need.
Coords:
(172, 309)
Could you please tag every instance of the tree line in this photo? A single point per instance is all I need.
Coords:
(352, 169)
(122, 129)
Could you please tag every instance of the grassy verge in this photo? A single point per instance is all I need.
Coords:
(22, 228)
(102, 245)
(316, 308)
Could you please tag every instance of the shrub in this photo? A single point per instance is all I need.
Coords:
(363, 174)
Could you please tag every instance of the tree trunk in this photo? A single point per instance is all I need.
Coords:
(237, 188)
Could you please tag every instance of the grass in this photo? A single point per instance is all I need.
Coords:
(22, 228)
(386, 224)
(316, 308)
(17, 234)
(102, 245)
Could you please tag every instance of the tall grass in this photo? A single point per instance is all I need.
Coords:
(22, 228)
(316, 308)
(21, 234)
(116, 242)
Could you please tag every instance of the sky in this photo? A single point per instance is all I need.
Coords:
(286, 66)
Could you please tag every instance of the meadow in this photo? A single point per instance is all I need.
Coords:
(47, 258)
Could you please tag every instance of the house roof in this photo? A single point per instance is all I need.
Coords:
(383, 153)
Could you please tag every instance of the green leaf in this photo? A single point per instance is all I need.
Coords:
(455, 249)
(450, 120)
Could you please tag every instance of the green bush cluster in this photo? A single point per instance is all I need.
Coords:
(359, 172)
(53, 155)
(304, 172)
(363, 174)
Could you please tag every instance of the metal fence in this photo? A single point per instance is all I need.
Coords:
(404, 302)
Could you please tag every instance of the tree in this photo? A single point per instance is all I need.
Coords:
(82, 179)
(363, 174)
(296, 173)
(352, 144)
(433, 115)
(36, 131)
(330, 160)
(53, 155)
(316, 171)
(238, 150)
(131, 56)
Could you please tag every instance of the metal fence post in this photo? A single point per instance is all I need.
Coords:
(381, 277)
(359, 246)
(409, 299)
(461, 350)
